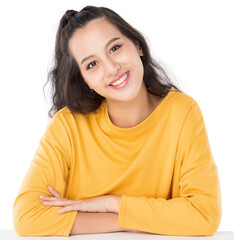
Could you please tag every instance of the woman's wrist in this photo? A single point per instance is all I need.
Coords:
(113, 203)
(91, 223)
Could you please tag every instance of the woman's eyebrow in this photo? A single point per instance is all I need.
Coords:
(108, 43)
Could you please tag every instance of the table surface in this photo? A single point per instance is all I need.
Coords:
(11, 235)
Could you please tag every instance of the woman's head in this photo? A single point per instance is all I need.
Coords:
(85, 33)
(105, 58)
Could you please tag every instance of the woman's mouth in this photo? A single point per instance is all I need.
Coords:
(120, 83)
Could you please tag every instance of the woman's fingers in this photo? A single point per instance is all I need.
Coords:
(54, 193)
(48, 198)
(58, 203)
(67, 209)
(95, 204)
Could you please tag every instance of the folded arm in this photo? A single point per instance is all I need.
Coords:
(196, 208)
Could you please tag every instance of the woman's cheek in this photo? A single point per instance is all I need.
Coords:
(96, 78)
(128, 56)
(86, 77)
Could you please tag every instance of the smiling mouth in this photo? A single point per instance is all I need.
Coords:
(121, 80)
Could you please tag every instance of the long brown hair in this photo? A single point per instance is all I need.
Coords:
(68, 87)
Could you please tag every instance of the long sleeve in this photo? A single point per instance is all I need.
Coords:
(195, 206)
(50, 166)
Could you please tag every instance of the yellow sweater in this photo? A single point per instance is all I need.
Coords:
(163, 168)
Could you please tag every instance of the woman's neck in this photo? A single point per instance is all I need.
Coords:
(131, 113)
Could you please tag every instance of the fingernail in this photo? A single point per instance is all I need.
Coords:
(60, 211)
(50, 188)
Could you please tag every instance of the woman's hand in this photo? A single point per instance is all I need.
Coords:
(106, 203)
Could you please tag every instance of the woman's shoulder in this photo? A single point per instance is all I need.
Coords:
(66, 116)
(181, 104)
(182, 99)
(63, 112)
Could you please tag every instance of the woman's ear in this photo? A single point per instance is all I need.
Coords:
(139, 50)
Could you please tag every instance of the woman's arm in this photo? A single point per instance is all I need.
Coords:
(50, 166)
(88, 223)
(195, 206)
(92, 222)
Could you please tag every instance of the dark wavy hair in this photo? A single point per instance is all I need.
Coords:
(68, 87)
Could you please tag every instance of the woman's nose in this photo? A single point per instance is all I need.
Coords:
(111, 68)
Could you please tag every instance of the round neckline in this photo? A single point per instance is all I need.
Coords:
(110, 127)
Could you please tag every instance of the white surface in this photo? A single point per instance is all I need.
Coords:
(11, 235)
(193, 38)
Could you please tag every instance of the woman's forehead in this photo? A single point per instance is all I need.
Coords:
(96, 28)
(94, 35)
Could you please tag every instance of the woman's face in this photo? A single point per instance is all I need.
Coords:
(104, 55)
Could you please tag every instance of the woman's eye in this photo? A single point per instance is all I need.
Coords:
(113, 49)
(91, 65)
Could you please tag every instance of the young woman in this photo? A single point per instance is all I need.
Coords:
(125, 149)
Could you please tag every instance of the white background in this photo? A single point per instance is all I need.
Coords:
(193, 39)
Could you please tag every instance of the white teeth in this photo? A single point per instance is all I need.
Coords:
(122, 79)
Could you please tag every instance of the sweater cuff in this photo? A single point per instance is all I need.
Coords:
(71, 217)
(122, 210)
